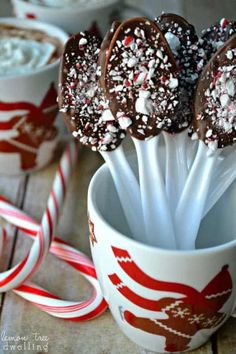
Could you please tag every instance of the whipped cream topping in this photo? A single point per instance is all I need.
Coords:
(19, 56)
(62, 3)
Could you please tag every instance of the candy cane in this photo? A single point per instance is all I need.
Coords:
(46, 301)
(18, 274)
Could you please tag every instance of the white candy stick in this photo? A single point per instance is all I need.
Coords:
(176, 166)
(127, 188)
(223, 178)
(157, 216)
(193, 198)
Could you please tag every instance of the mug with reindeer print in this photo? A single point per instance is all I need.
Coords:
(166, 301)
(29, 63)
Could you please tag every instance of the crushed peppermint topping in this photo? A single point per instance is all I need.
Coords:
(219, 111)
(82, 99)
(140, 78)
(215, 36)
(190, 58)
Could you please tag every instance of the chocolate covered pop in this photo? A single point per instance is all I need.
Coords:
(140, 78)
(215, 100)
(215, 125)
(190, 57)
(88, 117)
(82, 100)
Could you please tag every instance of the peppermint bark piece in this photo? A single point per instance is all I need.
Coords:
(140, 78)
(81, 99)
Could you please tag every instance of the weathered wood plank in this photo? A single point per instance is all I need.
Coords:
(226, 343)
(13, 189)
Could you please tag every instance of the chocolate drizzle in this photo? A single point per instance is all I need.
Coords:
(81, 98)
(140, 78)
(190, 58)
(215, 99)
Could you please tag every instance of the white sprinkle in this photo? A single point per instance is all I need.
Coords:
(224, 100)
(124, 122)
(107, 115)
(132, 62)
(173, 42)
(118, 88)
(230, 87)
(229, 54)
(143, 104)
(194, 136)
(159, 54)
(173, 83)
(111, 128)
(150, 73)
(75, 134)
(83, 41)
(151, 63)
(209, 133)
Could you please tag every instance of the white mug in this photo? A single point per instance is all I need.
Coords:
(28, 111)
(94, 16)
(164, 300)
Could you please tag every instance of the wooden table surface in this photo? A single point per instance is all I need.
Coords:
(20, 318)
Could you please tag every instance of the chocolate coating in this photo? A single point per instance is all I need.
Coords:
(215, 99)
(140, 78)
(102, 57)
(215, 36)
(190, 58)
(81, 98)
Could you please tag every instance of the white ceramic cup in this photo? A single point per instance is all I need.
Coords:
(164, 300)
(28, 111)
(90, 15)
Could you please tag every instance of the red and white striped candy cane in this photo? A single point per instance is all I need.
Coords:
(15, 276)
(46, 301)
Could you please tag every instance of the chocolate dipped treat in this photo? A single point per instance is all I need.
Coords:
(190, 57)
(216, 35)
(215, 99)
(81, 98)
(140, 78)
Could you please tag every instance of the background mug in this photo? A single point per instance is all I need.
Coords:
(28, 111)
(94, 16)
(164, 300)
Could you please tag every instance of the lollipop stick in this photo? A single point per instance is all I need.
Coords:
(157, 215)
(224, 177)
(176, 166)
(128, 190)
(193, 198)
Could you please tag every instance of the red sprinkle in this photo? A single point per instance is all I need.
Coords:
(216, 77)
(127, 83)
(163, 79)
(224, 23)
(128, 40)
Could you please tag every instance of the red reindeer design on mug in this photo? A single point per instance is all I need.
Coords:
(183, 317)
(24, 127)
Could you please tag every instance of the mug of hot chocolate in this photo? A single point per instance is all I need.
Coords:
(74, 15)
(29, 60)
